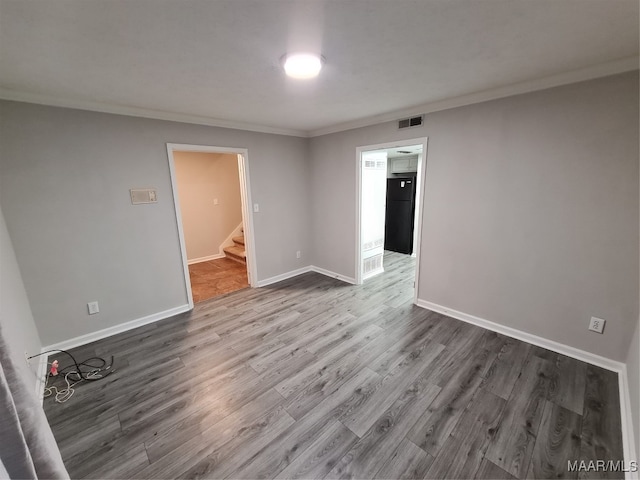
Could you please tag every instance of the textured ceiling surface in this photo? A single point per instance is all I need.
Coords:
(219, 59)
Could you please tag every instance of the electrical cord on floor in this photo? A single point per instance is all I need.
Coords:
(73, 374)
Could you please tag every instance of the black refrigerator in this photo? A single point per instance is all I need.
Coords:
(401, 204)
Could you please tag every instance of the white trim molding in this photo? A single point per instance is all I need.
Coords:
(91, 106)
(337, 276)
(626, 418)
(178, 212)
(620, 368)
(282, 276)
(615, 67)
(205, 259)
(110, 331)
(300, 271)
(588, 73)
(557, 347)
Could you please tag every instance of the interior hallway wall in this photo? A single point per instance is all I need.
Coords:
(202, 178)
(531, 210)
(65, 176)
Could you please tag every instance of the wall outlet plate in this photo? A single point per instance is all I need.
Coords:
(93, 308)
(596, 324)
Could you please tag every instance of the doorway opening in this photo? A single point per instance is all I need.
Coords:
(390, 184)
(211, 196)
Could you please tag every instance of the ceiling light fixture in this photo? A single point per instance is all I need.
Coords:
(302, 65)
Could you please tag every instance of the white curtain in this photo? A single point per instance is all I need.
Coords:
(27, 446)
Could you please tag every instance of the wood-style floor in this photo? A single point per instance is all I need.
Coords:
(217, 277)
(314, 378)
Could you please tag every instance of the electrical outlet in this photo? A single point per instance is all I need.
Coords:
(93, 308)
(298, 254)
(596, 324)
(26, 358)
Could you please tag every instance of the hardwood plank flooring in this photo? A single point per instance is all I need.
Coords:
(600, 435)
(464, 449)
(317, 460)
(407, 462)
(512, 448)
(314, 378)
(562, 428)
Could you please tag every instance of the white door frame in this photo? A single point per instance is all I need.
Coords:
(245, 194)
(421, 175)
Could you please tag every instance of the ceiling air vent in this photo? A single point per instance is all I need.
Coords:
(410, 122)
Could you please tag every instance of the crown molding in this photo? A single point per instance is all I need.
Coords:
(17, 96)
(589, 73)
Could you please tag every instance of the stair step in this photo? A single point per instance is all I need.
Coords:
(236, 253)
(239, 240)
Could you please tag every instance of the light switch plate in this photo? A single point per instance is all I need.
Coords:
(143, 195)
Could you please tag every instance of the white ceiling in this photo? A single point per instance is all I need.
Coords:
(217, 61)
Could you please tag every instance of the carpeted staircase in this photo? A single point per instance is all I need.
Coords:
(237, 251)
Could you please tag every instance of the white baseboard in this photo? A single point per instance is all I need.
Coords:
(282, 276)
(205, 259)
(300, 271)
(582, 355)
(626, 418)
(372, 274)
(123, 327)
(335, 275)
(557, 347)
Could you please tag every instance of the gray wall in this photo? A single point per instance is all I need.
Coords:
(531, 215)
(16, 321)
(531, 210)
(65, 177)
